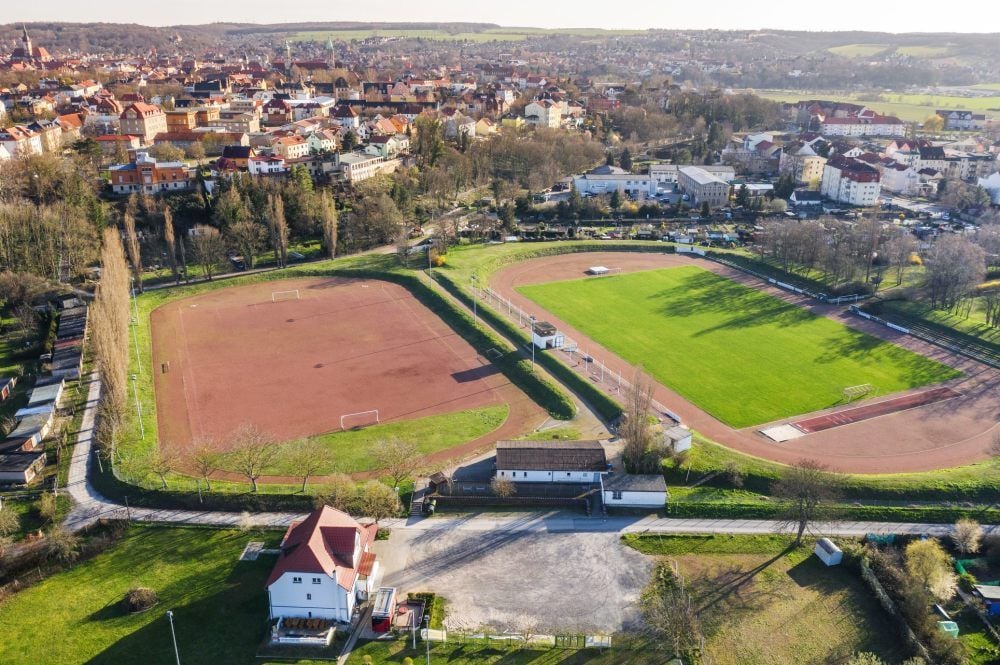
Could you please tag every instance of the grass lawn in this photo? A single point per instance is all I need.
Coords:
(760, 603)
(219, 603)
(354, 450)
(907, 107)
(744, 356)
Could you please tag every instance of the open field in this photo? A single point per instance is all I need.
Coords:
(743, 356)
(908, 107)
(858, 50)
(219, 603)
(295, 367)
(760, 603)
(923, 51)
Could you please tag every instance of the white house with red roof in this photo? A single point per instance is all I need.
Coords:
(325, 567)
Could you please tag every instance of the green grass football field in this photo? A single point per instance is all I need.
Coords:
(741, 355)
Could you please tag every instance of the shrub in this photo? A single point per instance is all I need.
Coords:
(139, 599)
(966, 581)
(967, 536)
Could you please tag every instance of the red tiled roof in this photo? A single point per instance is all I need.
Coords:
(323, 543)
(367, 563)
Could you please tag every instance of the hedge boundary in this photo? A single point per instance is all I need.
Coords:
(929, 514)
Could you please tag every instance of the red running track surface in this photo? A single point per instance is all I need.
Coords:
(848, 416)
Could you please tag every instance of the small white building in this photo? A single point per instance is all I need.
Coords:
(627, 490)
(545, 336)
(828, 552)
(325, 567)
(551, 461)
(678, 438)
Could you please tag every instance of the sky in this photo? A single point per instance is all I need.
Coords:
(880, 15)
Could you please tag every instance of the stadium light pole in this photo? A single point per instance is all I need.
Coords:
(475, 300)
(532, 317)
(177, 654)
(138, 409)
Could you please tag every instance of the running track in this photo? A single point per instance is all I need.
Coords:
(857, 414)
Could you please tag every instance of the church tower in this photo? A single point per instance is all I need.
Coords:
(26, 42)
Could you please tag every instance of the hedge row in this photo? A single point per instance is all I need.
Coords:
(608, 408)
(930, 514)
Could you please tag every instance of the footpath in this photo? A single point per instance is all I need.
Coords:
(89, 506)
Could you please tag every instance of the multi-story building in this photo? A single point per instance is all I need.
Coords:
(607, 179)
(667, 174)
(358, 166)
(21, 141)
(955, 120)
(802, 162)
(290, 147)
(543, 113)
(875, 125)
(703, 187)
(149, 176)
(142, 119)
(851, 181)
(182, 120)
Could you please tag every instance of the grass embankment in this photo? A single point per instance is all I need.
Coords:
(972, 482)
(760, 601)
(744, 356)
(219, 603)
(958, 326)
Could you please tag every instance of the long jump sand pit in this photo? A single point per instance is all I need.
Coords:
(233, 357)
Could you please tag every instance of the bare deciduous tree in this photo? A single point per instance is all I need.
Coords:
(307, 458)
(668, 611)
(161, 461)
(339, 492)
(47, 506)
(805, 487)
(399, 459)
(252, 453)
(277, 227)
(967, 535)
(635, 428)
(134, 252)
(207, 249)
(205, 459)
(954, 266)
(170, 242)
(503, 487)
(378, 501)
(329, 222)
(247, 237)
(9, 522)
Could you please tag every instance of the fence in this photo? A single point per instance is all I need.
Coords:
(512, 639)
(580, 360)
(822, 297)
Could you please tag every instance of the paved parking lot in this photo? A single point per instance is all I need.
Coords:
(560, 582)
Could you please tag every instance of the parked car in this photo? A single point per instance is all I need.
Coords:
(295, 256)
(238, 263)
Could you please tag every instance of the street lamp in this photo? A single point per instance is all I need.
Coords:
(427, 637)
(177, 654)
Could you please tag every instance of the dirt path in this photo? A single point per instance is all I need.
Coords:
(944, 434)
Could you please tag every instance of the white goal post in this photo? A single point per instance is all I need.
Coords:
(365, 418)
(284, 295)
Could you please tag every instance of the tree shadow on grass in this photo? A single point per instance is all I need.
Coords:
(218, 628)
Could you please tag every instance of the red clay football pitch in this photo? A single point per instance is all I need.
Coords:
(233, 357)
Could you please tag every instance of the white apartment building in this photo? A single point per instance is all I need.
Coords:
(848, 180)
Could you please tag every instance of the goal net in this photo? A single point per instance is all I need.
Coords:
(494, 354)
(277, 296)
(852, 393)
(359, 419)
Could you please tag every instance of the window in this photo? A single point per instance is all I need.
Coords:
(616, 495)
(525, 474)
(568, 474)
(317, 580)
(309, 596)
(296, 580)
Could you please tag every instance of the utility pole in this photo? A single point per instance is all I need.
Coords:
(177, 654)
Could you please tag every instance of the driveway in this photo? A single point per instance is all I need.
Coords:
(513, 580)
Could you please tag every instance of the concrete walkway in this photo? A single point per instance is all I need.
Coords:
(90, 505)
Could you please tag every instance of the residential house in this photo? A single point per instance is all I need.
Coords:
(324, 568)
(323, 140)
(543, 113)
(144, 120)
(606, 179)
(149, 176)
(485, 127)
(290, 147)
(71, 125)
(259, 165)
(849, 180)
(900, 179)
(21, 141)
(801, 161)
(551, 461)
(955, 120)
(49, 133)
(346, 117)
